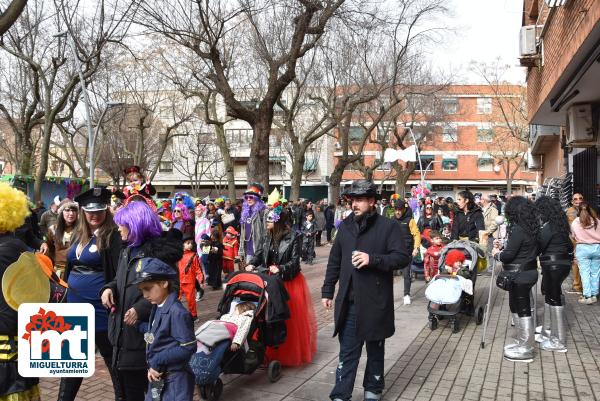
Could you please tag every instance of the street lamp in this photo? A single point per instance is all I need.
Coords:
(427, 168)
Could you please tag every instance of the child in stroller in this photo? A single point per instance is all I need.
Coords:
(445, 291)
(235, 343)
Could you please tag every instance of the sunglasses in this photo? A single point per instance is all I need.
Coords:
(70, 210)
(249, 197)
(577, 198)
(176, 211)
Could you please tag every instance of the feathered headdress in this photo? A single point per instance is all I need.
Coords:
(275, 213)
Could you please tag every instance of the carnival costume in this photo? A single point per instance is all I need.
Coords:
(13, 210)
(301, 343)
(252, 222)
(231, 247)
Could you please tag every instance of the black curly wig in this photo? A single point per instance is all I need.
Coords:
(519, 210)
(551, 212)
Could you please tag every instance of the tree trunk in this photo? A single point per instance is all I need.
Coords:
(228, 163)
(296, 176)
(402, 176)
(258, 164)
(43, 167)
(335, 181)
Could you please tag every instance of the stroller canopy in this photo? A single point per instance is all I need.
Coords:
(471, 249)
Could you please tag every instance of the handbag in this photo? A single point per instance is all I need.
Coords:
(227, 218)
(506, 280)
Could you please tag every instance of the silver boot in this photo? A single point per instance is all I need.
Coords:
(543, 331)
(557, 340)
(514, 320)
(523, 351)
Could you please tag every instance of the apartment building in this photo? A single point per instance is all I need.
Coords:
(468, 147)
(560, 46)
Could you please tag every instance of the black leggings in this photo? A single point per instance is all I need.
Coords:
(69, 386)
(519, 297)
(552, 279)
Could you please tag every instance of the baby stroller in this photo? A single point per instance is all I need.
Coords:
(450, 308)
(267, 329)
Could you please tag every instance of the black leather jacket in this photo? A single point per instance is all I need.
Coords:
(287, 257)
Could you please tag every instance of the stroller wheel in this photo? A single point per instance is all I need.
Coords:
(455, 326)
(433, 323)
(479, 315)
(215, 391)
(274, 371)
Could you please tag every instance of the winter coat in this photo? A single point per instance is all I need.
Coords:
(468, 225)
(259, 226)
(371, 286)
(489, 220)
(57, 249)
(320, 220)
(329, 217)
(287, 257)
(129, 347)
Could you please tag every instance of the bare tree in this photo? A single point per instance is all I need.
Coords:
(10, 14)
(370, 73)
(196, 157)
(251, 48)
(509, 126)
(54, 83)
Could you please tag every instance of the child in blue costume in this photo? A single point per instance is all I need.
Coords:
(169, 334)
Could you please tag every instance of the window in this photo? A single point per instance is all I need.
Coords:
(356, 133)
(485, 135)
(484, 105)
(450, 163)
(450, 105)
(426, 160)
(165, 111)
(165, 167)
(276, 167)
(239, 136)
(485, 162)
(450, 134)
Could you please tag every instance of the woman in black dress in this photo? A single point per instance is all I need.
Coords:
(556, 257)
(519, 263)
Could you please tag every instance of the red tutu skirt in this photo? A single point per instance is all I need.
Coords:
(301, 343)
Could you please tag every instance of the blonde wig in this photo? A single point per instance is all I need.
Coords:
(14, 208)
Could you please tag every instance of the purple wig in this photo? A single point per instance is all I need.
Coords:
(185, 212)
(143, 224)
(248, 212)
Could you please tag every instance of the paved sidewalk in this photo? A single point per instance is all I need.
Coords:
(422, 364)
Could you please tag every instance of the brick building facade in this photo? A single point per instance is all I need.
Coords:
(563, 92)
(468, 149)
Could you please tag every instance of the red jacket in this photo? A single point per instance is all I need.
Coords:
(231, 247)
(432, 257)
(194, 271)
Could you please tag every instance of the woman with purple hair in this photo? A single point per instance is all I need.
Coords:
(252, 222)
(182, 220)
(141, 230)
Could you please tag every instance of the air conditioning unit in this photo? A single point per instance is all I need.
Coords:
(390, 187)
(528, 41)
(580, 129)
(535, 162)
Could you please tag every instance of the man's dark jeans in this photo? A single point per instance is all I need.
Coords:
(350, 351)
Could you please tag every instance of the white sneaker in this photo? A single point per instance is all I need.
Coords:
(407, 300)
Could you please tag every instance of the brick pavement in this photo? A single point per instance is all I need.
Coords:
(422, 364)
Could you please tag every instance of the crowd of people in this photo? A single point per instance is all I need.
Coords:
(144, 265)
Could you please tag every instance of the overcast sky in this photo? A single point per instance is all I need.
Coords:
(485, 30)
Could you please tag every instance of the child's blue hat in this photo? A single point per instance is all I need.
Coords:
(150, 269)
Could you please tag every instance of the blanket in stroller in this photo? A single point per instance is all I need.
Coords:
(207, 366)
(445, 290)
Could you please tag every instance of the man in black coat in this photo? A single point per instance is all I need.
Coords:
(366, 250)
